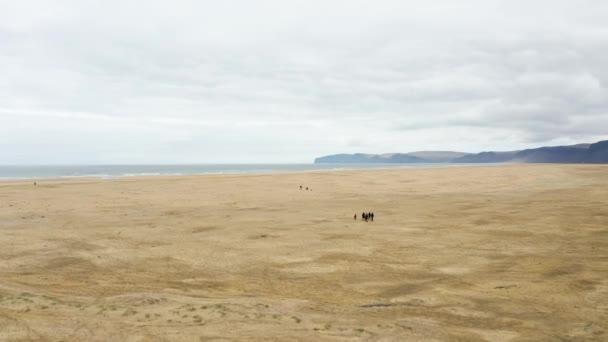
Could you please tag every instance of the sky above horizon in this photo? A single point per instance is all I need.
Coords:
(97, 82)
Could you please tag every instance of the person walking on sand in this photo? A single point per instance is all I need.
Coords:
(355, 217)
(300, 187)
(371, 215)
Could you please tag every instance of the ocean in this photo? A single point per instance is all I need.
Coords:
(113, 171)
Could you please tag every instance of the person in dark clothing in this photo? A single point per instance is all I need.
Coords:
(355, 217)
(371, 215)
(300, 187)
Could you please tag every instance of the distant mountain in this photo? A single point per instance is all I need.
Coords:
(413, 157)
(580, 153)
(438, 156)
(486, 157)
(597, 153)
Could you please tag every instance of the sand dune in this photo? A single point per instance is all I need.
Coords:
(497, 253)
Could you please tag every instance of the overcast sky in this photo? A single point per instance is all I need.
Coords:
(287, 81)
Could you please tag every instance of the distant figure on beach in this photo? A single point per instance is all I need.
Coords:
(35, 184)
(306, 188)
(300, 187)
(366, 216)
(355, 217)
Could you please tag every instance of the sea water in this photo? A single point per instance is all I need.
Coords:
(111, 171)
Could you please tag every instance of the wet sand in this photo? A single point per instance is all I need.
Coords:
(496, 253)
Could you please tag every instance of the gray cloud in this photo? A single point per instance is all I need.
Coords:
(271, 81)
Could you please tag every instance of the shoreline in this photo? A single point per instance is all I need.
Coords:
(242, 173)
(281, 172)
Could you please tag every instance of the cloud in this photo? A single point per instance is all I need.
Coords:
(199, 81)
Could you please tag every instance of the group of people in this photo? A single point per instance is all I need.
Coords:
(366, 217)
(306, 188)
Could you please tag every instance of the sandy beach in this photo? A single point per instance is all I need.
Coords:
(495, 253)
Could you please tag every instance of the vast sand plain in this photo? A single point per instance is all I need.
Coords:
(496, 253)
